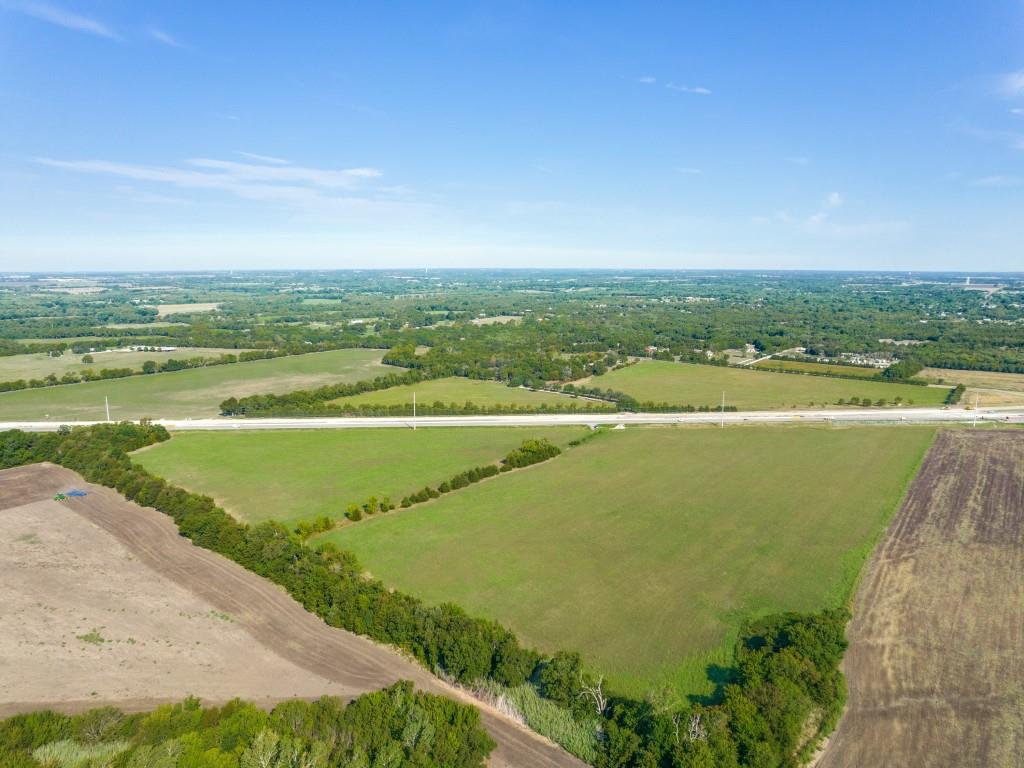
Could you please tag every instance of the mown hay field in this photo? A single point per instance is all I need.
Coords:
(192, 393)
(750, 390)
(296, 475)
(39, 365)
(461, 390)
(645, 549)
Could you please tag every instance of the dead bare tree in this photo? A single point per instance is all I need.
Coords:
(697, 731)
(594, 692)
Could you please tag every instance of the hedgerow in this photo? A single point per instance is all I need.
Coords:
(397, 726)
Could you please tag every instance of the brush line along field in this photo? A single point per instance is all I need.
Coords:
(460, 390)
(192, 393)
(645, 549)
(935, 667)
(687, 384)
(299, 475)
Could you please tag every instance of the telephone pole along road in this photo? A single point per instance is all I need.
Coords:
(1001, 415)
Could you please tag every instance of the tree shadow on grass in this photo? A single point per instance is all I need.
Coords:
(721, 677)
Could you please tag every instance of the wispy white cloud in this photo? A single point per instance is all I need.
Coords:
(160, 36)
(262, 158)
(315, 188)
(142, 196)
(824, 221)
(699, 90)
(61, 18)
(647, 80)
(287, 173)
(1017, 111)
(1014, 139)
(998, 180)
(1011, 84)
(832, 201)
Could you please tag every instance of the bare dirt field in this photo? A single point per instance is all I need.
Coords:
(163, 310)
(104, 603)
(936, 660)
(1013, 382)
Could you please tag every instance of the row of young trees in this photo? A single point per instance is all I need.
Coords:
(530, 452)
(397, 726)
(784, 690)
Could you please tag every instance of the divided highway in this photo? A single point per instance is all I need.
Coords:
(1004, 415)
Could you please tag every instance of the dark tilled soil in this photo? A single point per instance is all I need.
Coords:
(935, 666)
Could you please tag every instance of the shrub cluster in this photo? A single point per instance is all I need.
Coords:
(955, 394)
(371, 506)
(530, 452)
(395, 726)
(308, 528)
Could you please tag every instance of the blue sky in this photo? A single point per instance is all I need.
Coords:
(858, 135)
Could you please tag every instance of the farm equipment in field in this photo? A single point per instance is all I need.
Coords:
(74, 493)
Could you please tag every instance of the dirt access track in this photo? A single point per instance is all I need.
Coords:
(105, 603)
(935, 666)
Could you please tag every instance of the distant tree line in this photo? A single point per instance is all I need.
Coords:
(397, 726)
(783, 692)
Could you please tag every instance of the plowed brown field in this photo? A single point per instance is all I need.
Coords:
(172, 619)
(936, 660)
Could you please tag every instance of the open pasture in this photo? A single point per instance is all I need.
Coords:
(300, 475)
(646, 549)
(1011, 382)
(461, 390)
(935, 667)
(192, 393)
(39, 365)
(750, 390)
(825, 369)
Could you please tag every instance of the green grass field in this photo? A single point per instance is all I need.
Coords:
(809, 366)
(459, 390)
(686, 384)
(38, 366)
(297, 475)
(646, 549)
(192, 393)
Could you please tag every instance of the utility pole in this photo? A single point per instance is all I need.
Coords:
(976, 398)
(106, 404)
(414, 411)
(723, 409)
